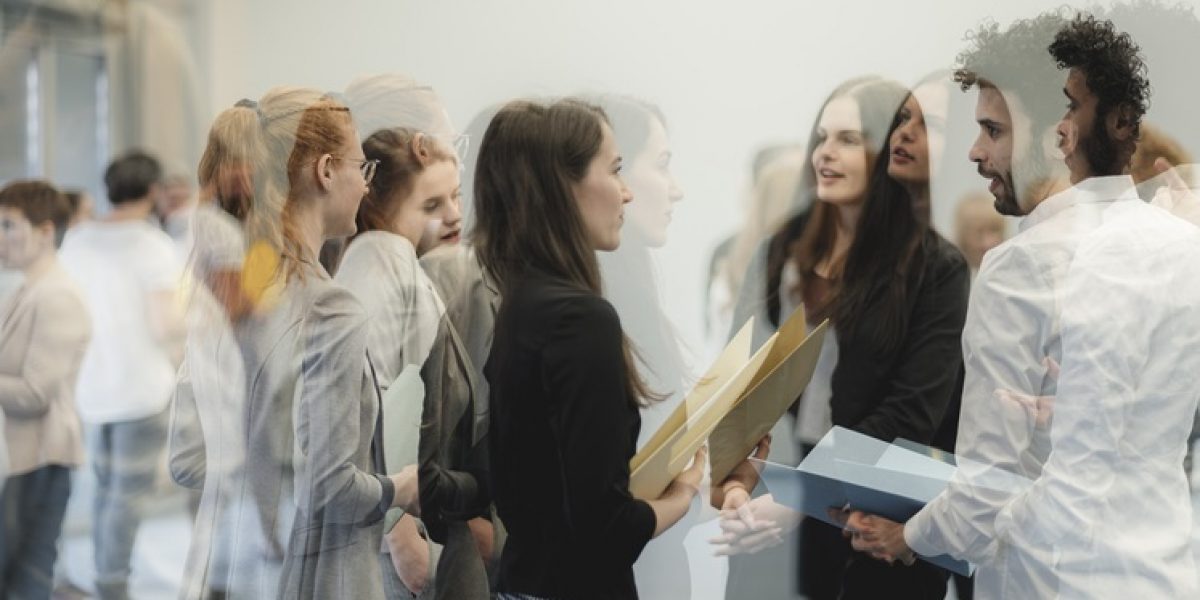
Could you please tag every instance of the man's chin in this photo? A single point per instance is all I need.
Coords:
(1006, 206)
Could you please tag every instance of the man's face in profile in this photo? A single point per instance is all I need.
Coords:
(992, 151)
(1082, 133)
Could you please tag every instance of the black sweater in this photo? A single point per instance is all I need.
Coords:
(562, 433)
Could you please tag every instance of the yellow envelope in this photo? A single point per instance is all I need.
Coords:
(780, 381)
(650, 469)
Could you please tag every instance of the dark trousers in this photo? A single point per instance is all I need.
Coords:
(831, 570)
(32, 508)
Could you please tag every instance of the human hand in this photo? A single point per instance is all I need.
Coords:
(749, 527)
(407, 494)
(744, 476)
(410, 554)
(881, 538)
(1039, 408)
(690, 478)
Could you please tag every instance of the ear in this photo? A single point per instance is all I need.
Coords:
(1121, 123)
(323, 172)
(46, 231)
(420, 149)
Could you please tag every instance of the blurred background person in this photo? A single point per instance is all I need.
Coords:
(977, 227)
(174, 206)
(83, 207)
(774, 195)
(44, 332)
(130, 276)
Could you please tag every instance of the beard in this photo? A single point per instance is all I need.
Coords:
(1006, 201)
(1099, 150)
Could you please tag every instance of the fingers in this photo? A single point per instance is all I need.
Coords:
(1052, 366)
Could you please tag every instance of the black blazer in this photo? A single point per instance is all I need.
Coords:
(563, 430)
(910, 390)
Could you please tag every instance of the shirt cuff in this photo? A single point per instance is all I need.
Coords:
(915, 533)
(387, 492)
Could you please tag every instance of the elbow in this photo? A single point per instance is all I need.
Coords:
(27, 404)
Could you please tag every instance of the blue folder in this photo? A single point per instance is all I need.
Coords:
(841, 471)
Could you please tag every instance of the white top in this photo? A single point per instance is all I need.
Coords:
(1106, 286)
(814, 418)
(126, 374)
(403, 308)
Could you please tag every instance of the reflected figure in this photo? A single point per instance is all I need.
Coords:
(632, 285)
(1113, 412)
(208, 444)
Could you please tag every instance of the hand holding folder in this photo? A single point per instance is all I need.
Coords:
(849, 469)
(736, 402)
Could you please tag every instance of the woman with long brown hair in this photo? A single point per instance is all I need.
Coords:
(565, 392)
(895, 292)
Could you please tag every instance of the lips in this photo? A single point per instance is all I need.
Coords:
(453, 236)
(902, 154)
(827, 173)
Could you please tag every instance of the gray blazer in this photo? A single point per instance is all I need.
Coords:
(44, 331)
(301, 517)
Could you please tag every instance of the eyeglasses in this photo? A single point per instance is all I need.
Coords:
(367, 166)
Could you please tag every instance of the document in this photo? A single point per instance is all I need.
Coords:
(785, 373)
(403, 405)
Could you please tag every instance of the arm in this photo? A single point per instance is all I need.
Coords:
(410, 554)
(448, 491)
(1005, 343)
(185, 453)
(57, 342)
(328, 417)
(930, 356)
(584, 376)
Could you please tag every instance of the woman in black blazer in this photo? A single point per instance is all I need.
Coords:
(896, 293)
(564, 393)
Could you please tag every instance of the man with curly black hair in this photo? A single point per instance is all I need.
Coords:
(1081, 375)
(1107, 93)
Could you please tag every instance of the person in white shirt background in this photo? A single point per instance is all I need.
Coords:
(130, 274)
(1102, 437)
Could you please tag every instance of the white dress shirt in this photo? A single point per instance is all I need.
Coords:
(1091, 502)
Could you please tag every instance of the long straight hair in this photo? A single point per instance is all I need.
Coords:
(807, 239)
(527, 216)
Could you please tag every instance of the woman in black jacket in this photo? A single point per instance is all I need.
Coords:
(565, 393)
(896, 293)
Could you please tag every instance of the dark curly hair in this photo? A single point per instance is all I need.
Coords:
(1014, 60)
(1110, 59)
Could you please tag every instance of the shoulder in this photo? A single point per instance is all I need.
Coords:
(944, 259)
(330, 301)
(554, 305)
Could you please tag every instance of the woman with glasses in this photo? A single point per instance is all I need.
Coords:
(312, 429)
(412, 205)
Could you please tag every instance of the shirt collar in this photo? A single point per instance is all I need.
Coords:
(1092, 190)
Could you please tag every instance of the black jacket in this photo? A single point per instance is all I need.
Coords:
(563, 430)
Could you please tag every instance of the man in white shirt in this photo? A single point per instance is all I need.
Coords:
(1070, 482)
(129, 272)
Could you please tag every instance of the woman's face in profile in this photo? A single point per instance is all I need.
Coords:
(655, 190)
(918, 139)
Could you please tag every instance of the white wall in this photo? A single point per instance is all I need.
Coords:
(729, 76)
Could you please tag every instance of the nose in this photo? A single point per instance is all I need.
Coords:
(626, 194)
(453, 213)
(676, 193)
(976, 154)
